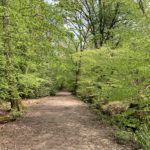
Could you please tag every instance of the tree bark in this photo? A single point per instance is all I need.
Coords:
(78, 71)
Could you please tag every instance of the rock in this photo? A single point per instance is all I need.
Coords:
(114, 107)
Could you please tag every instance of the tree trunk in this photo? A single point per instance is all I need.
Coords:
(78, 71)
(9, 68)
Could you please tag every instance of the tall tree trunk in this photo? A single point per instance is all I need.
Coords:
(101, 23)
(9, 68)
(94, 36)
(77, 75)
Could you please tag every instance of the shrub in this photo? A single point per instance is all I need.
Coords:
(143, 137)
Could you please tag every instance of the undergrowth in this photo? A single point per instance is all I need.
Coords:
(113, 78)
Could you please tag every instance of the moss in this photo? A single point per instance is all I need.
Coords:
(11, 116)
(123, 137)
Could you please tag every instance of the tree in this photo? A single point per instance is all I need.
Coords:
(8, 53)
(90, 18)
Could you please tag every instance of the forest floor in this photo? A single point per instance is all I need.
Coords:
(61, 122)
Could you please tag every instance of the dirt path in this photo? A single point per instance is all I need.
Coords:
(57, 123)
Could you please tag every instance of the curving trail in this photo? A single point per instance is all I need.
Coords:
(57, 123)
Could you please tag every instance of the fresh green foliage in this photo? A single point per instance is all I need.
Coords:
(35, 56)
(123, 136)
(143, 137)
(117, 75)
(99, 50)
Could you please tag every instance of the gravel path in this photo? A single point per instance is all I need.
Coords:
(57, 123)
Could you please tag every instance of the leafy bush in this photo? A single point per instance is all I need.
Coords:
(109, 75)
(143, 137)
(32, 86)
(123, 137)
(115, 75)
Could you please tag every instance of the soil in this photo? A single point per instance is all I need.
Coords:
(61, 122)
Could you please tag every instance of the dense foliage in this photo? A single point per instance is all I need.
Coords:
(34, 50)
(117, 75)
(99, 50)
